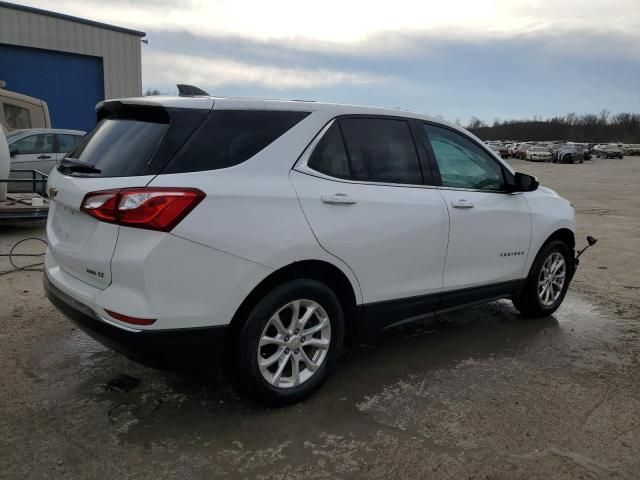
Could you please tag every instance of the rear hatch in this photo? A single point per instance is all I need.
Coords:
(128, 147)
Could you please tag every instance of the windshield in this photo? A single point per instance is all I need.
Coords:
(538, 149)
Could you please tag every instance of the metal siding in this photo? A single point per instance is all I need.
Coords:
(120, 51)
(45, 74)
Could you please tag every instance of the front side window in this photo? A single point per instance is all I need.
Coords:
(17, 117)
(330, 155)
(381, 150)
(462, 163)
(33, 144)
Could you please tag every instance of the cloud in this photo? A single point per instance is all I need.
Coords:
(213, 71)
(546, 72)
(489, 58)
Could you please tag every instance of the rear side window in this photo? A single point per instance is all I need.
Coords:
(120, 147)
(17, 117)
(330, 156)
(230, 137)
(381, 150)
(66, 143)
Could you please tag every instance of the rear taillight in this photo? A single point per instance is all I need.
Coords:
(153, 208)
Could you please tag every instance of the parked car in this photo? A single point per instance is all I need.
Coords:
(272, 232)
(631, 149)
(538, 154)
(610, 151)
(500, 148)
(40, 148)
(504, 150)
(555, 148)
(570, 153)
(512, 149)
(521, 150)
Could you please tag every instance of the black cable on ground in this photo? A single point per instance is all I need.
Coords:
(26, 268)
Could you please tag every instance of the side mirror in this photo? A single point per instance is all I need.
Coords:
(13, 153)
(526, 183)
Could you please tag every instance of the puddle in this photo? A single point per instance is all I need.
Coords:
(416, 384)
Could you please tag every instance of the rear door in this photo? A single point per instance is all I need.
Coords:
(362, 190)
(490, 227)
(116, 154)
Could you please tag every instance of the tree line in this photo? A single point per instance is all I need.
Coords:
(600, 128)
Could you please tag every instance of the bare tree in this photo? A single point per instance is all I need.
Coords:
(602, 127)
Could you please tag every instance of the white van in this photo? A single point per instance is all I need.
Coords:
(19, 111)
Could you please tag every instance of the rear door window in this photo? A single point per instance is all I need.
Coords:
(381, 150)
(330, 155)
(230, 137)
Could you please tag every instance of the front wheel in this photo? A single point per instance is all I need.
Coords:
(289, 343)
(548, 281)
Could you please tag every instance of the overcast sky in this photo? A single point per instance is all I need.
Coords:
(455, 58)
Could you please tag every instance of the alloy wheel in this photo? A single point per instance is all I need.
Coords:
(294, 343)
(551, 279)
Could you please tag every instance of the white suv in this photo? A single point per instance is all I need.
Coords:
(270, 233)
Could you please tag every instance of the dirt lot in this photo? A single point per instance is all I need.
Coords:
(477, 394)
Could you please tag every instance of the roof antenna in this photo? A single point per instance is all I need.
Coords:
(190, 91)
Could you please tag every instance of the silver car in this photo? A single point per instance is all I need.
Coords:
(38, 149)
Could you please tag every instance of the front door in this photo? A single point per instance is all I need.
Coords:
(33, 152)
(490, 227)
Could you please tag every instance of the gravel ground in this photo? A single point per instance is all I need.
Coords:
(474, 394)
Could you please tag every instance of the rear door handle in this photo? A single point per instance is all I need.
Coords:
(44, 157)
(338, 199)
(462, 203)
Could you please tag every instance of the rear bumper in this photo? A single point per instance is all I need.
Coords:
(176, 348)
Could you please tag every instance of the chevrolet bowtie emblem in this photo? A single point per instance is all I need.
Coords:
(53, 191)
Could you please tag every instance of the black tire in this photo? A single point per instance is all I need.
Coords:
(528, 302)
(246, 370)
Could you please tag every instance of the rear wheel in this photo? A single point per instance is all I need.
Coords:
(548, 281)
(289, 343)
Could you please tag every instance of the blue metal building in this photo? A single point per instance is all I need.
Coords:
(69, 62)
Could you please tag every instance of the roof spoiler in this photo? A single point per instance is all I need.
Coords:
(190, 91)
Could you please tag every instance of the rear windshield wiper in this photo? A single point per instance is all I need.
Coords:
(73, 165)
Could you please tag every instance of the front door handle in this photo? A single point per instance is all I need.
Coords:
(462, 203)
(338, 199)
(44, 157)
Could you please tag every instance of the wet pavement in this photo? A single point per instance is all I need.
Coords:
(477, 394)
(482, 393)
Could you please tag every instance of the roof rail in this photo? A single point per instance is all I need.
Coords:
(190, 91)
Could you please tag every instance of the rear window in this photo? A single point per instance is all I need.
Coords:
(230, 137)
(119, 147)
(130, 141)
